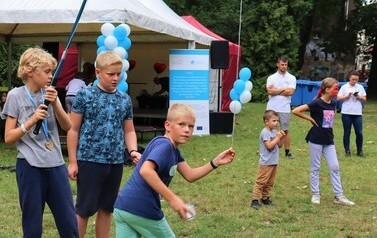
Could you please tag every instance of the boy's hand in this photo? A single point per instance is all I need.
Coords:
(135, 157)
(280, 134)
(51, 95)
(224, 157)
(73, 171)
(39, 114)
(179, 207)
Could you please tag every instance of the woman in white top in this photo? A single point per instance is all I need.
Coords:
(353, 96)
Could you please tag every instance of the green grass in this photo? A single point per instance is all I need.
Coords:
(222, 199)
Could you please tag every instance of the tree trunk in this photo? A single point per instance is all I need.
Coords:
(372, 83)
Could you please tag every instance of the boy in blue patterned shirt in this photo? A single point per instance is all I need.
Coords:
(101, 125)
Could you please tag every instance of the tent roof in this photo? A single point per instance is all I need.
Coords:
(40, 20)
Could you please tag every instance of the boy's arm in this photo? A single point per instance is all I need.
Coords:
(72, 143)
(149, 174)
(13, 133)
(193, 174)
(131, 140)
(299, 111)
(270, 144)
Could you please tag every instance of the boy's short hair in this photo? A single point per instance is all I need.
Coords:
(269, 114)
(180, 109)
(32, 59)
(107, 58)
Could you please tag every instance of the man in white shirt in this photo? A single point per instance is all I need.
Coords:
(280, 87)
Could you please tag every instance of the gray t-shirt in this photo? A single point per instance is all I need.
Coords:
(33, 147)
(268, 157)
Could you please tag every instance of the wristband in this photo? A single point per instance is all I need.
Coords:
(132, 151)
(23, 128)
(213, 165)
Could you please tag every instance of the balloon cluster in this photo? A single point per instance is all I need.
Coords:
(116, 39)
(241, 91)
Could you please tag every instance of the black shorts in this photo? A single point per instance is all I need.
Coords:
(97, 187)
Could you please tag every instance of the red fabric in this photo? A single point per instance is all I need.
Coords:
(70, 66)
(229, 75)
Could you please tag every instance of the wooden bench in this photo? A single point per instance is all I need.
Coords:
(146, 129)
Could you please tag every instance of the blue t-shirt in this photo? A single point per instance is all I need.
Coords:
(101, 138)
(137, 197)
(323, 113)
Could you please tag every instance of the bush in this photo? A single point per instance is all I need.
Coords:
(259, 91)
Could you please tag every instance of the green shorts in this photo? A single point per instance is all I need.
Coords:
(133, 226)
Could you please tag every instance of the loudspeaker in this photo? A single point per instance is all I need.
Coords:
(220, 123)
(219, 54)
(52, 48)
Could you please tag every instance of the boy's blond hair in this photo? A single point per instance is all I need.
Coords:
(180, 109)
(32, 59)
(107, 58)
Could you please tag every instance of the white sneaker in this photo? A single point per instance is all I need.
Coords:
(343, 201)
(316, 199)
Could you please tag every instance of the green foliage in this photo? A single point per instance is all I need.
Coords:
(270, 32)
(17, 50)
(259, 91)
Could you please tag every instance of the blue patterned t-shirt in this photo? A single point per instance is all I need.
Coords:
(101, 137)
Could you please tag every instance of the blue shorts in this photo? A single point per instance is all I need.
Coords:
(97, 187)
(38, 186)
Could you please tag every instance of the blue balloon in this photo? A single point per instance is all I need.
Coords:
(122, 85)
(126, 43)
(95, 82)
(234, 95)
(100, 49)
(101, 40)
(239, 86)
(245, 74)
(120, 33)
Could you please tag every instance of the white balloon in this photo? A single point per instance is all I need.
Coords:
(107, 29)
(128, 29)
(248, 85)
(235, 106)
(121, 52)
(111, 42)
(126, 65)
(245, 96)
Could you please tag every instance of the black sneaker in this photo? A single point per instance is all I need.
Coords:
(255, 204)
(266, 201)
(348, 153)
(289, 155)
(360, 154)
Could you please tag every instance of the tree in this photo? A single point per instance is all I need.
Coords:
(17, 50)
(364, 18)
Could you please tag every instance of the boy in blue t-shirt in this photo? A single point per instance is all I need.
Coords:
(137, 209)
(101, 126)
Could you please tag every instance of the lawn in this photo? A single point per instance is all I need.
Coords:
(222, 199)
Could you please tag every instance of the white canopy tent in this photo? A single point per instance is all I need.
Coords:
(39, 20)
(151, 22)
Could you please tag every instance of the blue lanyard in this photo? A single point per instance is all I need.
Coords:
(44, 123)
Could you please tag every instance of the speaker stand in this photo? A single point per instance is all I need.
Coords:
(219, 86)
